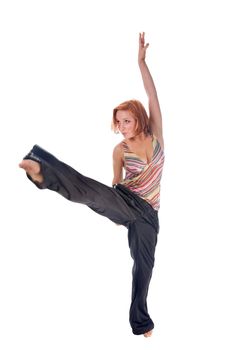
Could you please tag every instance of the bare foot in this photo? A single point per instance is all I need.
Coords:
(148, 334)
(32, 168)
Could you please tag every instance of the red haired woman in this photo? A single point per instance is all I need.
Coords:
(132, 201)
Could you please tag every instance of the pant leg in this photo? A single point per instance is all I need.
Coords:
(121, 206)
(72, 185)
(142, 238)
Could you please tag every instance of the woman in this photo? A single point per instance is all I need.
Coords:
(133, 201)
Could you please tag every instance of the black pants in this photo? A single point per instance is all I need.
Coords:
(121, 206)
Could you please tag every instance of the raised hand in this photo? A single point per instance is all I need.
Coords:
(142, 47)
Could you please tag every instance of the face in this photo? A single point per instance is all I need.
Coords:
(126, 123)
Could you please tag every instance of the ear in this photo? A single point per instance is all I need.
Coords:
(136, 124)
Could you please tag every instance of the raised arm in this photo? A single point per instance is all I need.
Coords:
(155, 117)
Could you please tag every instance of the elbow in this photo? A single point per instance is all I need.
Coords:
(116, 180)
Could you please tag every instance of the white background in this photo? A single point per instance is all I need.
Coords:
(65, 272)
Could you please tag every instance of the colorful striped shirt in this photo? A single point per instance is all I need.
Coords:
(144, 178)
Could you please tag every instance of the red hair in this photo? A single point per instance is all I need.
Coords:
(137, 111)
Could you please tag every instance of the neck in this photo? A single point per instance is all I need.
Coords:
(139, 137)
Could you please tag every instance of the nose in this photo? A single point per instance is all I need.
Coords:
(121, 127)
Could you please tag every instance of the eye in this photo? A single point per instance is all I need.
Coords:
(127, 121)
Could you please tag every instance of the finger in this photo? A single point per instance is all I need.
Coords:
(141, 42)
(142, 39)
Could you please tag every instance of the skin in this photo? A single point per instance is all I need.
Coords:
(139, 144)
(33, 169)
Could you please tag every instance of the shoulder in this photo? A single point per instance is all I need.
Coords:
(118, 151)
(119, 148)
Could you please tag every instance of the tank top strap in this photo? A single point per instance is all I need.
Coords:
(154, 141)
(125, 146)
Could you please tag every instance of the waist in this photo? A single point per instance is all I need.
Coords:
(150, 193)
(139, 200)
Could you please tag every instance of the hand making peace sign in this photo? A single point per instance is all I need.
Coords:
(142, 47)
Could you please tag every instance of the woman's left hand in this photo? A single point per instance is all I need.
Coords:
(142, 47)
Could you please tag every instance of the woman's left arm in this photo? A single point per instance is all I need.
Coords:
(155, 117)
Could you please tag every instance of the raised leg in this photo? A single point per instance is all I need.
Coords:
(46, 171)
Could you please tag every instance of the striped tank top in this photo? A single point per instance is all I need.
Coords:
(144, 178)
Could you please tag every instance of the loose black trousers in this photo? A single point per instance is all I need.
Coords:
(121, 206)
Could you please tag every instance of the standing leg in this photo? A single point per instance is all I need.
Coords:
(142, 238)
